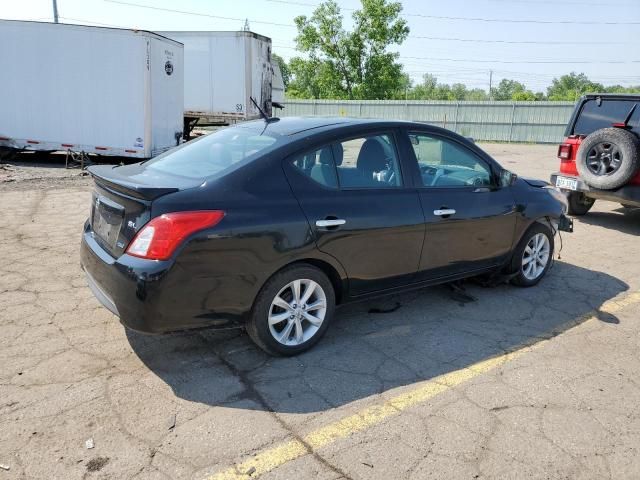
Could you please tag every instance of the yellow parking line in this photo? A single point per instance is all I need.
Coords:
(273, 458)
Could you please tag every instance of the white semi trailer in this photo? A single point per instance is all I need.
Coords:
(89, 89)
(223, 72)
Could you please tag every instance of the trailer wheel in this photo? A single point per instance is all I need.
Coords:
(189, 125)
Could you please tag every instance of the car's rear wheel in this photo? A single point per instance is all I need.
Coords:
(533, 256)
(292, 311)
(579, 203)
(608, 158)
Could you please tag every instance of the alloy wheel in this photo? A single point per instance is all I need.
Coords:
(604, 158)
(535, 256)
(297, 312)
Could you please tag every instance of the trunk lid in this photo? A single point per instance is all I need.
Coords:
(122, 199)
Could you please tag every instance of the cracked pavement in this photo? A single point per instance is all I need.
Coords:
(195, 404)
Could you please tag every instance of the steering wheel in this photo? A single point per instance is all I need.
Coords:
(389, 174)
(428, 170)
(478, 182)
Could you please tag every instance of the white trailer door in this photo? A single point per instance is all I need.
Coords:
(228, 74)
(197, 67)
(167, 93)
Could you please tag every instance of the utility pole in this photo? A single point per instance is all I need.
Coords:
(490, 84)
(55, 11)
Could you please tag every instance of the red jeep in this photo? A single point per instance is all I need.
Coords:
(600, 158)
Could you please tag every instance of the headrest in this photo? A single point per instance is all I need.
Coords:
(326, 157)
(371, 157)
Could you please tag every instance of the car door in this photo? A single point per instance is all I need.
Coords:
(353, 195)
(470, 220)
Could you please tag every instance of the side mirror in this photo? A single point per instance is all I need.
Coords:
(507, 178)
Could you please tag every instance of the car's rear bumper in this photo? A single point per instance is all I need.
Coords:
(628, 195)
(147, 295)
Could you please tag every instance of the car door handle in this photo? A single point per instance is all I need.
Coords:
(334, 222)
(444, 212)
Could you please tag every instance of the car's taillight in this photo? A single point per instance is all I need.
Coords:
(564, 151)
(159, 238)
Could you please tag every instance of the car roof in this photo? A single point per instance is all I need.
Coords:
(294, 125)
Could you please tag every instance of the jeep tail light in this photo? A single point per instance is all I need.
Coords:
(159, 238)
(564, 151)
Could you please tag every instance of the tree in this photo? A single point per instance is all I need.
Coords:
(430, 89)
(512, 90)
(524, 96)
(284, 68)
(312, 79)
(621, 89)
(459, 91)
(355, 64)
(476, 94)
(572, 86)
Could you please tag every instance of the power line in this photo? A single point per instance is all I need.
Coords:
(519, 42)
(550, 22)
(517, 20)
(571, 62)
(185, 12)
(480, 19)
(97, 23)
(120, 2)
(475, 60)
(557, 2)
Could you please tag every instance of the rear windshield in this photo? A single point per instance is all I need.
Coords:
(214, 155)
(593, 117)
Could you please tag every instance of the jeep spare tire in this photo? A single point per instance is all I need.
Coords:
(608, 158)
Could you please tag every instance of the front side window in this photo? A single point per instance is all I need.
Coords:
(445, 164)
(215, 154)
(368, 162)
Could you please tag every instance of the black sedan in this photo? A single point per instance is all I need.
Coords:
(271, 224)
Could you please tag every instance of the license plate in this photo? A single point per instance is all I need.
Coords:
(107, 220)
(568, 183)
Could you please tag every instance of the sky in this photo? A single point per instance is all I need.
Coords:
(531, 41)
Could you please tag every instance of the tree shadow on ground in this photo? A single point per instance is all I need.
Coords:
(365, 354)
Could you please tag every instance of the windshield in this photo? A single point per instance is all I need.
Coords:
(215, 154)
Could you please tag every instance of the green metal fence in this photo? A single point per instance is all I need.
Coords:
(534, 122)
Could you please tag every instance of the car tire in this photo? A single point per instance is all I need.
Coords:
(527, 249)
(579, 203)
(608, 158)
(269, 319)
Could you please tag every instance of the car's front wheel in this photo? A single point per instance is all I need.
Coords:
(292, 311)
(533, 256)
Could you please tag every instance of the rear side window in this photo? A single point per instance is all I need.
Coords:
(215, 154)
(319, 166)
(368, 162)
(593, 117)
